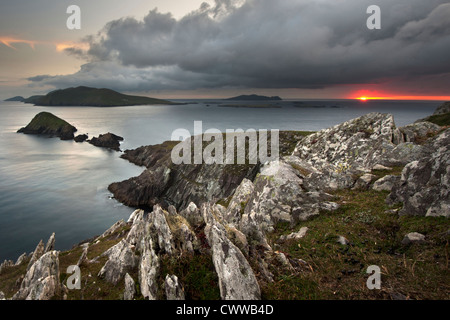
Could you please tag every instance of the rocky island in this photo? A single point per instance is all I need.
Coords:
(308, 226)
(254, 97)
(17, 98)
(45, 123)
(86, 96)
(108, 140)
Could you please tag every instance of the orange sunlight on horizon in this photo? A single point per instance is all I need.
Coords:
(439, 98)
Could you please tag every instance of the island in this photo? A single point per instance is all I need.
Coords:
(254, 97)
(16, 98)
(86, 96)
(46, 123)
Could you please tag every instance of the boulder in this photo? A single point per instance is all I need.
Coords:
(385, 183)
(424, 184)
(174, 290)
(41, 281)
(81, 138)
(295, 235)
(419, 131)
(413, 237)
(130, 288)
(107, 140)
(121, 259)
(364, 181)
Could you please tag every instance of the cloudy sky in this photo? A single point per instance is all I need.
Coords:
(218, 48)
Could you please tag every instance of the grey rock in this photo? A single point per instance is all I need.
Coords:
(238, 201)
(424, 185)
(160, 228)
(38, 252)
(413, 237)
(236, 278)
(116, 226)
(364, 181)
(6, 264)
(402, 154)
(50, 246)
(2, 296)
(342, 240)
(381, 167)
(174, 290)
(295, 235)
(418, 131)
(41, 281)
(134, 215)
(21, 259)
(130, 288)
(192, 214)
(385, 183)
(148, 269)
(121, 259)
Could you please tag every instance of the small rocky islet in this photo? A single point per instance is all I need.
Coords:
(361, 193)
(49, 125)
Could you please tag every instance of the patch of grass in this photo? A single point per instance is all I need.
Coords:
(9, 277)
(375, 233)
(440, 119)
(396, 171)
(195, 272)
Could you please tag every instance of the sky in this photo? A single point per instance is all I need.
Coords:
(312, 49)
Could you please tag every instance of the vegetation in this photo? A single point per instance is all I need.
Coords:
(440, 119)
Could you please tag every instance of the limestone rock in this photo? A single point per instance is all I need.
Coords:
(295, 235)
(238, 201)
(130, 288)
(236, 278)
(116, 226)
(121, 259)
(41, 281)
(50, 246)
(413, 237)
(192, 214)
(174, 290)
(148, 269)
(385, 183)
(160, 228)
(38, 252)
(364, 181)
(21, 259)
(418, 131)
(424, 185)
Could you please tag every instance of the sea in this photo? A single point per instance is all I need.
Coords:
(48, 185)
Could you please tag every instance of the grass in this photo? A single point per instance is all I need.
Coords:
(375, 233)
(440, 119)
(47, 120)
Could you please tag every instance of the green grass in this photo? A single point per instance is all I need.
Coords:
(440, 119)
(375, 233)
(47, 120)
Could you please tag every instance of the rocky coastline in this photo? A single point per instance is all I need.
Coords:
(359, 193)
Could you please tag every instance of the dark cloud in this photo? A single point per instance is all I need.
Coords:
(267, 44)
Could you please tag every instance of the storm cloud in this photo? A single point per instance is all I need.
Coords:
(268, 44)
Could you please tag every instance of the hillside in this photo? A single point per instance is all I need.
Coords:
(254, 97)
(86, 96)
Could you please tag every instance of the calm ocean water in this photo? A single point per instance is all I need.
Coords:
(49, 185)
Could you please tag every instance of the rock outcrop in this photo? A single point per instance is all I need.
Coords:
(107, 140)
(45, 123)
(41, 281)
(174, 290)
(424, 185)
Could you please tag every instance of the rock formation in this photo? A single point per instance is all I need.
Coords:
(107, 140)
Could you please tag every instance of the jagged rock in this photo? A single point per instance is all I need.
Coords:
(130, 288)
(192, 214)
(6, 264)
(148, 269)
(81, 138)
(41, 281)
(38, 252)
(107, 140)
(295, 235)
(138, 229)
(160, 228)
(240, 198)
(424, 185)
(21, 259)
(134, 215)
(413, 237)
(116, 226)
(353, 145)
(402, 154)
(121, 259)
(364, 181)
(419, 131)
(183, 237)
(174, 290)
(50, 243)
(83, 256)
(236, 278)
(385, 183)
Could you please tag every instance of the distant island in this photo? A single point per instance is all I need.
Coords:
(86, 96)
(16, 98)
(254, 97)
